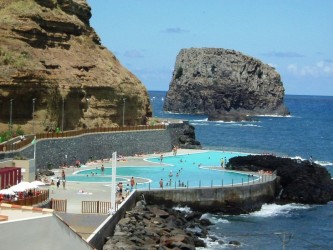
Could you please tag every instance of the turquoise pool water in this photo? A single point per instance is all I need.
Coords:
(190, 170)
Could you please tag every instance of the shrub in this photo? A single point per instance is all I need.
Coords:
(179, 73)
(259, 73)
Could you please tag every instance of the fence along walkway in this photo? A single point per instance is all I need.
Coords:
(12, 146)
(59, 205)
(96, 207)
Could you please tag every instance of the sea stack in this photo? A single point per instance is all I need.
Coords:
(225, 85)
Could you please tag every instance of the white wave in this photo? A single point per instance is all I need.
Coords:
(246, 125)
(213, 244)
(272, 210)
(278, 116)
(298, 158)
(199, 124)
(202, 120)
(213, 219)
(185, 209)
(324, 163)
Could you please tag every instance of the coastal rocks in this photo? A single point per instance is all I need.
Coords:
(49, 53)
(301, 181)
(152, 227)
(224, 84)
(183, 135)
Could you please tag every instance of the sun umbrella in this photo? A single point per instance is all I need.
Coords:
(23, 186)
(38, 183)
(7, 192)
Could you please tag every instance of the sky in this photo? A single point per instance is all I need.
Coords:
(294, 36)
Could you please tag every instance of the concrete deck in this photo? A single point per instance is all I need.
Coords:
(76, 192)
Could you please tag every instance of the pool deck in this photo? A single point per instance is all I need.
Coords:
(76, 192)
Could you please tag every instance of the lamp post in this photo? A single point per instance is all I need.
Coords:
(152, 106)
(124, 100)
(87, 99)
(10, 117)
(33, 115)
(62, 115)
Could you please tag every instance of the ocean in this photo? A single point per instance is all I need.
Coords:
(307, 132)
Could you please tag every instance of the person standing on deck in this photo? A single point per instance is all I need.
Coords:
(132, 183)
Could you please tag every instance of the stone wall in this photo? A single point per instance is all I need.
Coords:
(98, 146)
(57, 151)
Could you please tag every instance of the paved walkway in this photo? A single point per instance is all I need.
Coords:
(76, 192)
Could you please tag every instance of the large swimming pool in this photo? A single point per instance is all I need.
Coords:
(180, 171)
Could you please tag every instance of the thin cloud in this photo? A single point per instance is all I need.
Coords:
(283, 54)
(133, 54)
(328, 61)
(175, 30)
(321, 68)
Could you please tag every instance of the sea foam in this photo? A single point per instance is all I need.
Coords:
(271, 210)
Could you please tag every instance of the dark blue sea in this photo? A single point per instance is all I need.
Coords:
(308, 131)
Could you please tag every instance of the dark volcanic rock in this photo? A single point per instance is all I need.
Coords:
(163, 229)
(228, 117)
(218, 82)
(301, 181)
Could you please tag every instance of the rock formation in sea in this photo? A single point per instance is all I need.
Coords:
(301, 181)
(224, 84)
(50, 53)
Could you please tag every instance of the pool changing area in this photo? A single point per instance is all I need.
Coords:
(176, 171)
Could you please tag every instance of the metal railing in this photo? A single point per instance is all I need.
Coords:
(18, 144)
(251, 179)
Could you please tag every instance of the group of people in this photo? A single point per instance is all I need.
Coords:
(128, 189)
(223, 162)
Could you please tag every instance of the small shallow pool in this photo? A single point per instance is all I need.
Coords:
(181, 171)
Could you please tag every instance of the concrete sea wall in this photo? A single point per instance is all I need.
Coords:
(98, 238)
(229, 199)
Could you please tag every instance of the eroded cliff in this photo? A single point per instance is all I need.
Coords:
(224, 84)
(50, 53)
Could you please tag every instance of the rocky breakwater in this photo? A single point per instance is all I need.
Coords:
(300, 181)
(155, 227)
(49, 53)
(225, 85)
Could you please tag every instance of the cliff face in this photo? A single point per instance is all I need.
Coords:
(49, 52)
(220, 82)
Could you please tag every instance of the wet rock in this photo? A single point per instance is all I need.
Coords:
(234, 242)
(301, 181)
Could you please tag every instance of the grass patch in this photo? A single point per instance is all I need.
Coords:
(15, 59)
(22, 8)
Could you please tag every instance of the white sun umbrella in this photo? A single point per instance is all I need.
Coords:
(38, 183)
(7, 192)
(23, 186)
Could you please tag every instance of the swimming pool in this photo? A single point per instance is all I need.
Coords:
(190, 170)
